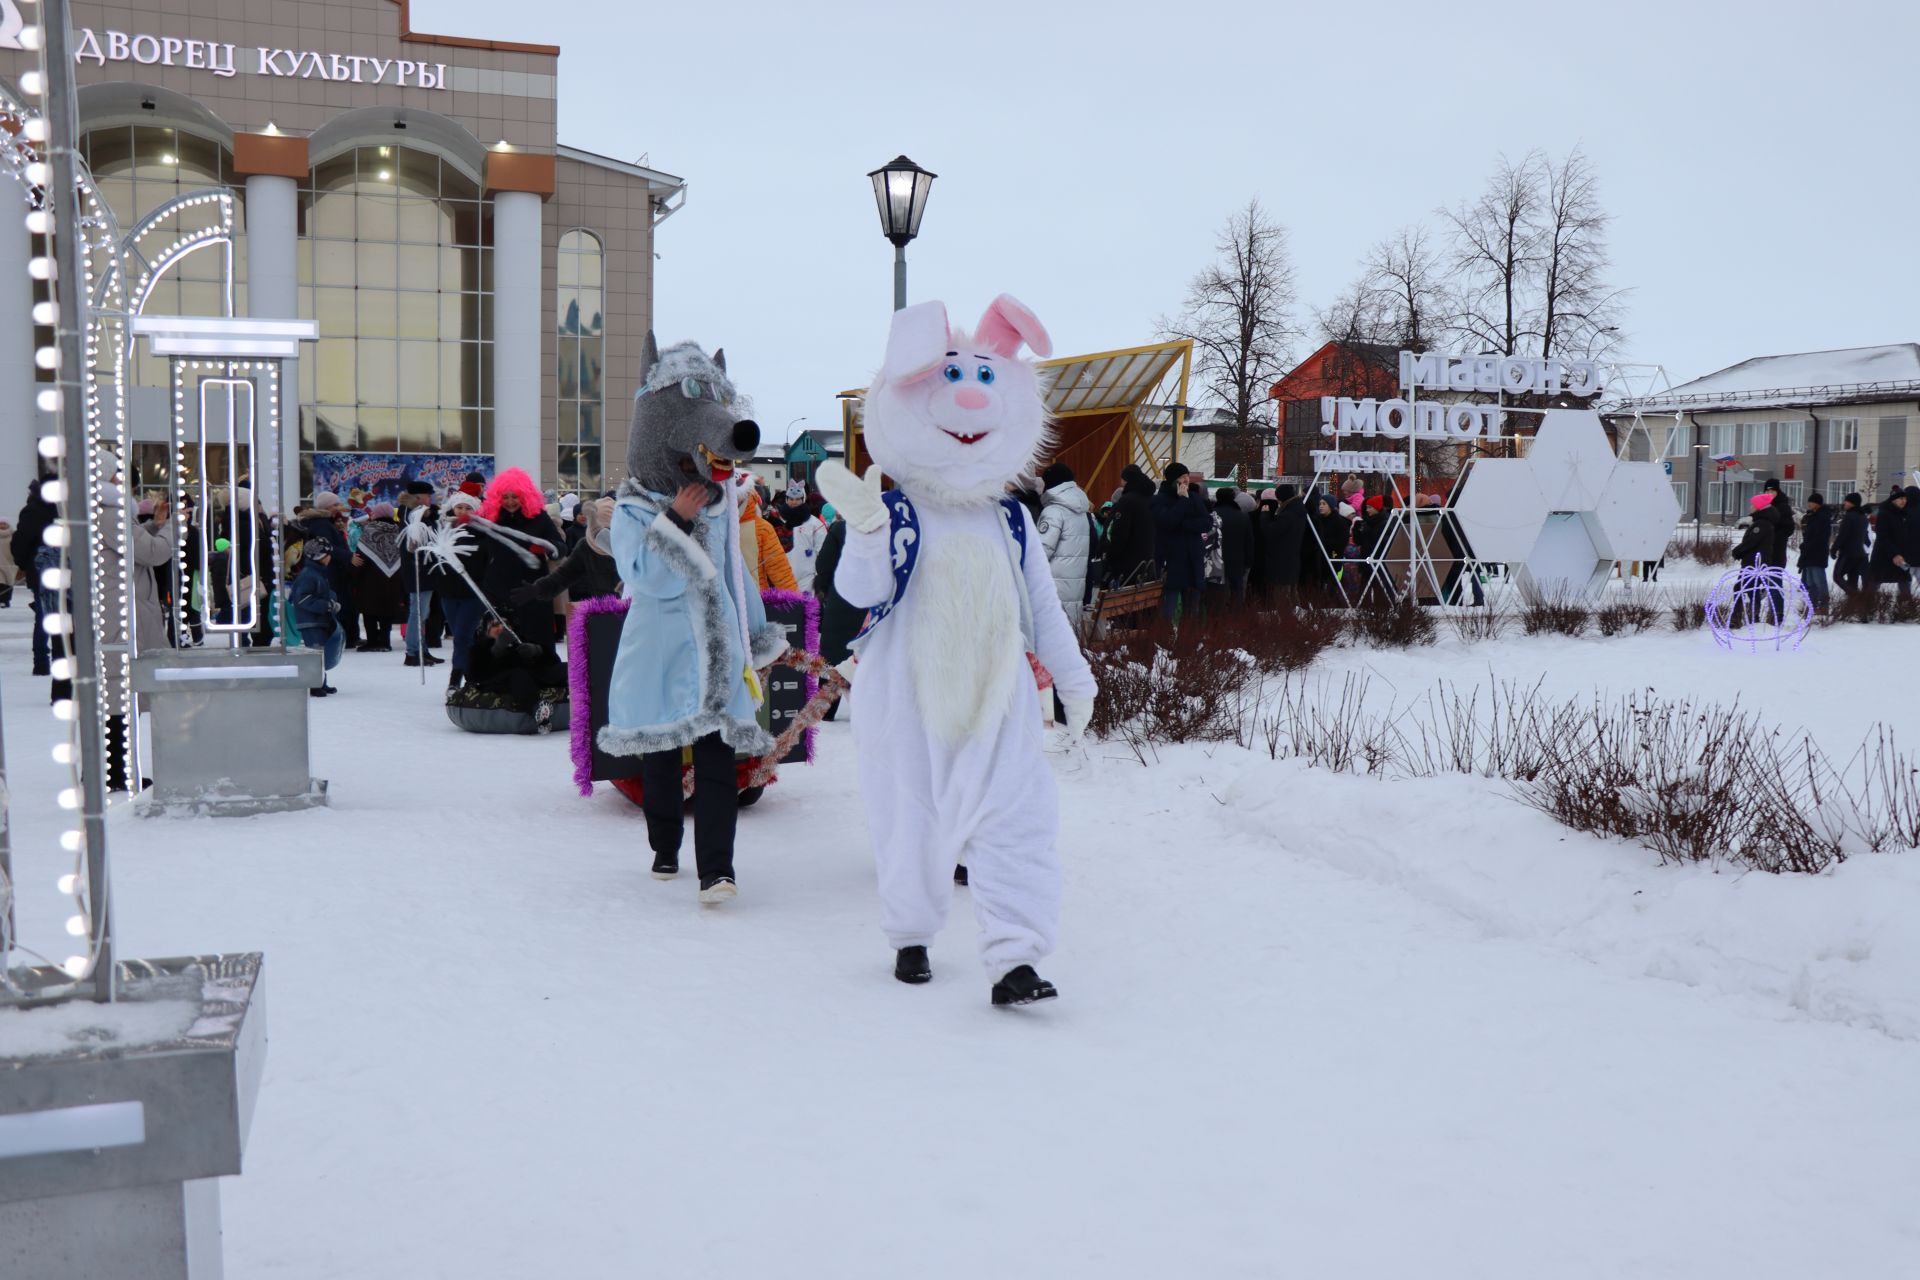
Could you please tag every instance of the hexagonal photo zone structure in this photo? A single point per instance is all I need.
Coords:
(1500, 510)
(1571, 458)
(1567, 559)
(1637, 513)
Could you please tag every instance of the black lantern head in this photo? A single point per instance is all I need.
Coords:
(900, 189)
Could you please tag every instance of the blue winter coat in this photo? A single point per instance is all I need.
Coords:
(680, 672)
(313, 598)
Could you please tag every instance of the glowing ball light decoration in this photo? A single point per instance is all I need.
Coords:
(1758, 605)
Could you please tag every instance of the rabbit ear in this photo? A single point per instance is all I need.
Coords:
(916, 343)
(649, 356)
(720, 359)
(1007, 324)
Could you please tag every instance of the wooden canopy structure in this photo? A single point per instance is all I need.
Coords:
(1108, 409)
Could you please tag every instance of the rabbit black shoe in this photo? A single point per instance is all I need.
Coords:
(910, 965)
(1022, 986)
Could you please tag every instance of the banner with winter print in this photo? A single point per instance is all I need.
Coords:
(383, 477)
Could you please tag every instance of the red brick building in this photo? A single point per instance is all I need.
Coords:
(1337, 369)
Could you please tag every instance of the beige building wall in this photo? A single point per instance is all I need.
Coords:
(1887, 441)
(616, 207)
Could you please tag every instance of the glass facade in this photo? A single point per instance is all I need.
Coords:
(395, 263)
(580, 315)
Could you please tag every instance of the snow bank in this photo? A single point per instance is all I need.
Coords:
(1841, 947)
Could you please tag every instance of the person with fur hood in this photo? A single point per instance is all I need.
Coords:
(518, 540)
(1066, 531)
(685, 675)
(760, 543)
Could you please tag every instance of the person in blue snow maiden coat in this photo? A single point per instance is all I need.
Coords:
(684, 675)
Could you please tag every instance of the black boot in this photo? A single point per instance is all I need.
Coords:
(960, 874)
(454, 677)
(910, 965)
(666, 865)
(1022, 986)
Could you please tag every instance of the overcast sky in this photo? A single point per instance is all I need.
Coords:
(1758, 158)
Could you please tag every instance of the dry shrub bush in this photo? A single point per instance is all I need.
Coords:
(1711, 547)
(1394, 624)
(1626, 617)
(1689, 615)
(1282, 638)
(1560, 614)
(1476, 625)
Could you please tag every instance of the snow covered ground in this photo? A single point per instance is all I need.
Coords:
(1309, 1025)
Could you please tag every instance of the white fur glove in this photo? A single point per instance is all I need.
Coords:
(856, 499)
(1079, 716)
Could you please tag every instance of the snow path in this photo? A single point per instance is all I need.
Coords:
(500, 1050)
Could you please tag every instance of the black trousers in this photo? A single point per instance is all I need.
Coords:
(716, 804)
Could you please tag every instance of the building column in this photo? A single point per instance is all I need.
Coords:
(273, 293)
(22, 419)
(274, 166)
(517, 246)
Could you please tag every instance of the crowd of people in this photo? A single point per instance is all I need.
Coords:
(354, 575)
(1865, 549)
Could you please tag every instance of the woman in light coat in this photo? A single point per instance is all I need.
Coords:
(1067, 535)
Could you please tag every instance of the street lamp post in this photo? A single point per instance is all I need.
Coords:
(900, 189)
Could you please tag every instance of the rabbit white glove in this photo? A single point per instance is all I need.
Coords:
(1079, 716)
(856, 499)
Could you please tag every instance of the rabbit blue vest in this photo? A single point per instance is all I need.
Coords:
(904, 538)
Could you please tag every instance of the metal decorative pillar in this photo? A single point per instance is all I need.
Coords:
(516, 331)
(229, 725)
(110, 1144)
(273, 290)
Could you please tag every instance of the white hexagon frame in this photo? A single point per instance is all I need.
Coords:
(1567, 511)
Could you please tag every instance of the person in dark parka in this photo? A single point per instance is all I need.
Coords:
(1282, 538)
(1816, 535)
(1779, 517)
(1236, 543)
(1181, 520)
(29, 533)
(1850, 545)
(1892, 536)
(1131, 537)
(839, 621)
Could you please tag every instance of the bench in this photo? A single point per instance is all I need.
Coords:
(1135, 606)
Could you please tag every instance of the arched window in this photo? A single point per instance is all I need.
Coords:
(395, 262)
(579, 313)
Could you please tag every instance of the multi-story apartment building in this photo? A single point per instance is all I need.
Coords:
(1832, 422)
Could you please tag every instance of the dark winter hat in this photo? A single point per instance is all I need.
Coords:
(1227, 497)
(1286, 493)
(420, 488)
(1175, 470)
(317, 549)
(1132, 472)
(1853, 500)
(1815, 500)
(1056, 474)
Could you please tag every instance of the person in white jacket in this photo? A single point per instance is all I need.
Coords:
(1067, 536)
(946, 703)
(809, 535)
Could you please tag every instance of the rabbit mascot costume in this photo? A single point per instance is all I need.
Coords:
(947, 715)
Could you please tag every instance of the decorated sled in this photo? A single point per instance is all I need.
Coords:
(800, 687)
(478, 711)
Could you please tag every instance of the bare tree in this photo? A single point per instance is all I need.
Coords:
(1578, 308)
(1239, 316)
(1400, 299)
(1496, 250)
